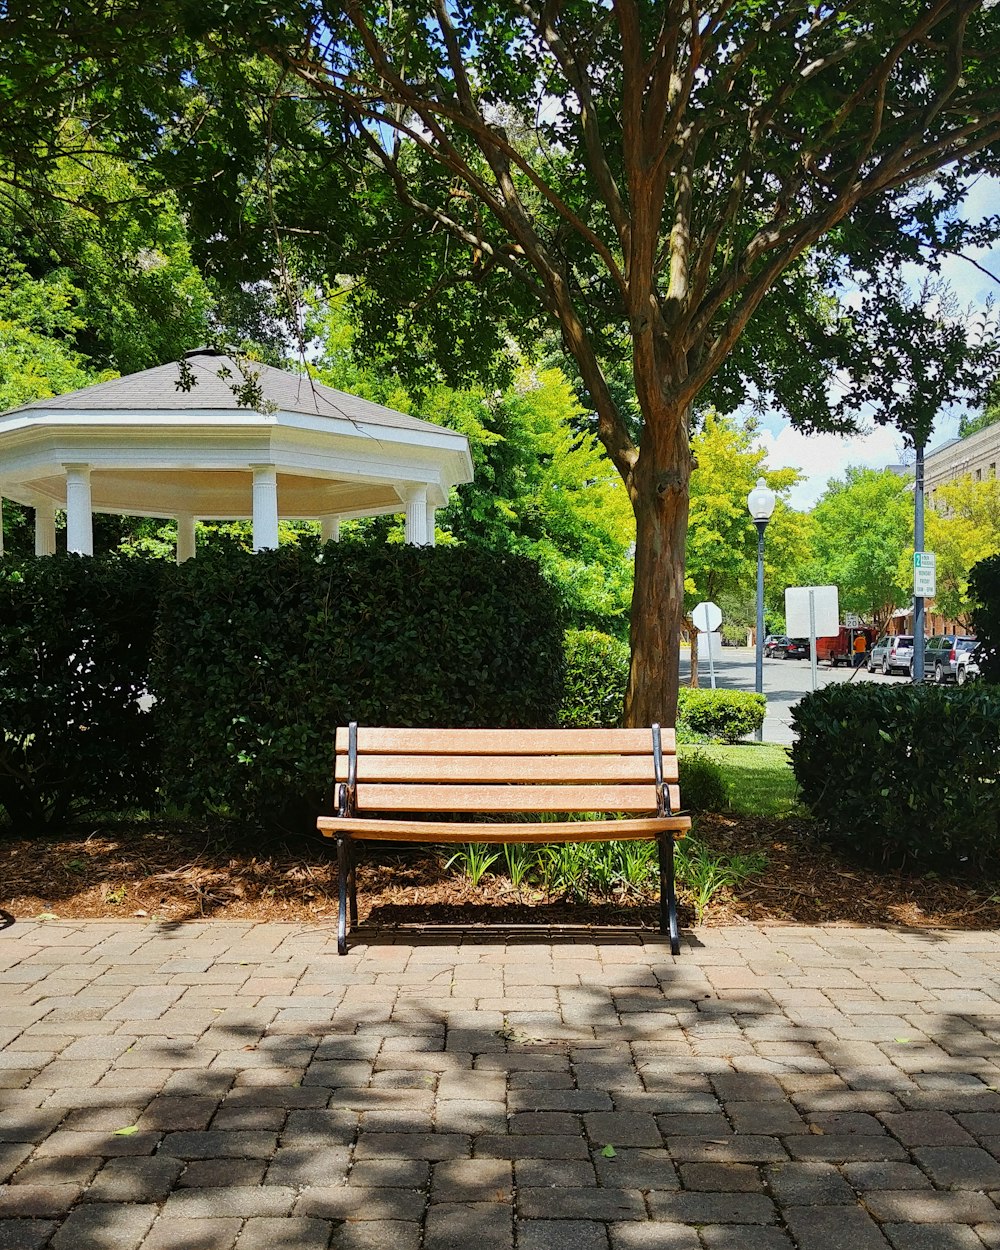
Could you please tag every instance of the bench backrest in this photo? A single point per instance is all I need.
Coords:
(509, 770)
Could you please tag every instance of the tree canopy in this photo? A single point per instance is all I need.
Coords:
(651, 178)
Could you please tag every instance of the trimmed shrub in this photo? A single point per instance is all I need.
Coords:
(718, 715)
(260, 658)
(596, 676)
(984, 589)
(75, 638)
(703, 786)
(903, 773)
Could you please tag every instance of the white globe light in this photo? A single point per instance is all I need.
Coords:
(761, 501)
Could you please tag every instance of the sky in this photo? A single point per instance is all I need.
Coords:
(821, 457)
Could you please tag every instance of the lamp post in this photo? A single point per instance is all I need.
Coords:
(760, 503)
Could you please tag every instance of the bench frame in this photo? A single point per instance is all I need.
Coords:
(518, 760)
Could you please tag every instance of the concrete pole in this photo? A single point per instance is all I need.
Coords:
(265, 506)
(329, 529)
(1, 527)
(185, 537)
(79, 510)
(45, 528)
(761, 526)
(416, 516)
(431, 513)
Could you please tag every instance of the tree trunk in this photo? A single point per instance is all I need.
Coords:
(660, 501)
(692, 634)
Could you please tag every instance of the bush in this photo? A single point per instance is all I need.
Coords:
(596, 676)
(984, 589)
(703, 786)
(719, 715)
(262, 656)
(75, 637)
(903, 773)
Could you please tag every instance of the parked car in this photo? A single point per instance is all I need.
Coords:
(941, 656)
(967, 665)
(892, 653)
(772, 641)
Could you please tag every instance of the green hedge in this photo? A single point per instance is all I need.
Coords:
(596, 676)
(903, 774)
(75, 637)
(984, 590)
(718, 715)
(261, 657)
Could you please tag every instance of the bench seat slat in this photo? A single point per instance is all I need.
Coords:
(507, 768)
(541, 832)
(391, 740)
(376, 797)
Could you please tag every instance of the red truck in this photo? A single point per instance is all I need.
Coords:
(839, 647)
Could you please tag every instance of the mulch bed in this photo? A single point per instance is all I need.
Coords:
(179, 871)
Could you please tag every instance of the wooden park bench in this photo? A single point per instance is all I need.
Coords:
(409, 785)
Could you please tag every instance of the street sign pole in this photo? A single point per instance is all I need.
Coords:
(918, 546)
(707, 618)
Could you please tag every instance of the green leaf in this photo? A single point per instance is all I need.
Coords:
(126, 1132)
(609, 1152)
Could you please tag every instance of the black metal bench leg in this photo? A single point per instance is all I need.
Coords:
(352, 882)
(668, 898)
(343, 871)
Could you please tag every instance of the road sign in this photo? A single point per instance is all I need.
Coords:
(924, 574)
(812, 610)
(707, 617)
(852, 620)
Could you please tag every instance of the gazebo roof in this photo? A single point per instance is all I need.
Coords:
(158, 390)
(151, 447)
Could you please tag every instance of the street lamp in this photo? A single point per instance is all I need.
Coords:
(760, 503)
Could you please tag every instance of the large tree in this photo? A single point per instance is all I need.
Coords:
(655, 177)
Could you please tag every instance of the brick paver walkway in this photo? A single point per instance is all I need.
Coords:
(220, 1085)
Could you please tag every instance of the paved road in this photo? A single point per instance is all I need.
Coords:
(237, 1086)
(785, 682)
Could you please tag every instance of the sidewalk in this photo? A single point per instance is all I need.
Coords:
(224, 1085)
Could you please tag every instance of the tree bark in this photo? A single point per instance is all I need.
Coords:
(659, 491)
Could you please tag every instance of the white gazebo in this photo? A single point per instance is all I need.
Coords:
(152, 444)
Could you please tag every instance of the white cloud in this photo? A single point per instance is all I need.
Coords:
(820, 457)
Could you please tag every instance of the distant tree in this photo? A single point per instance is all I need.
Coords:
(863, 528)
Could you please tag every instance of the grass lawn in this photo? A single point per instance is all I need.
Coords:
(758, 776)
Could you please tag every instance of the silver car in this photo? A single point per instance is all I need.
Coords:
(891, 654)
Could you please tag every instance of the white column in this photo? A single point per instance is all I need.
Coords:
(265, 506)
(329, 529)
(79, 513)
(416, 516)
(431, 511)
(185, 537)
(1, 527)
(45, 528)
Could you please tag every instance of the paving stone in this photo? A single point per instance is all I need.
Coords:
(293, 1233)
(351, 1202)
(212, 1173)
(545, 1122)
(108, 1145)
(712, 1208)
(833, 1228)
(11, 1158)
(777, 1118)
(208, 1234)
(25, 1234)
(555, 1173)
(931, 1207)
(740, 1148)
(744, 1237)
(108, 1226)
(209, 1145)
(59, 1170)
(959, 1167)
(531, 1146)
(561, 1235)
(398, 1234)
(472, 1180)
(938, 1237)
(34, 1201)
(622, 1129)
(580, 1204)
(801, 1184)
(849, 1148)
(636, 1169)
(653, 1235)
(390, 1174)
(135, 1180)
(305, 1165)
(239, 1201)
(724, 1177)
(457, 1226)
(926, 1128)
(865, 1176)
